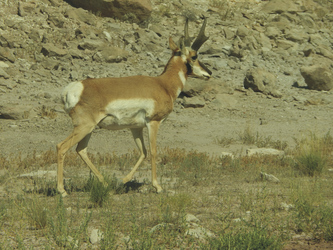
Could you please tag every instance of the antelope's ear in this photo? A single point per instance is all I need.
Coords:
(173, 45)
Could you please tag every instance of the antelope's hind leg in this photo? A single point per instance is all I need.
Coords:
(79, 133)
(138, 138)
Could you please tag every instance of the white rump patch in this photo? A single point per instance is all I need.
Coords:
(71, 95)
(127, 113)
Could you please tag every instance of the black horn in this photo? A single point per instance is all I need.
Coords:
(201, 38)
(187, 38)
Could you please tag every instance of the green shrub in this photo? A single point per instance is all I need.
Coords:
(312, 154)
(99, 193)
(37, 214)
(255, 239)
(311, 163)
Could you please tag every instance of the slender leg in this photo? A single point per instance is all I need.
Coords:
(77, 135)
(152, 131)
(81, 149)
(138, 138)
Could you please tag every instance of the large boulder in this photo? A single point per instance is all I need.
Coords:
(135, 10)
(318, 77)
(259, 80)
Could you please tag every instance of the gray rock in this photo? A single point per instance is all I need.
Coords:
(111, 55)
(7, 54)
(15, 112)
(194, 102)
(285, 44)
(3, 65)
(91, 44)
(4, 74)
(191, 218)
(264, 151)
(194, 87)
(264, 41)
(51, 50)
(199, 232)
(296, 35)
(286, 206)
(96, 236)
(41, 174)
(226, 155)
(269, 177)
(319, 40)
(242, 31)
(280, 6)
(26, 8)
(50, 63)
(228, 33)
(57, 19)
(272, 32)
(318, 77)
(160, 226)
(324, 51)
(260, 80)
(81, 15)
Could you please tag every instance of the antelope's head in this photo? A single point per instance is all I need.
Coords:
(189, 53)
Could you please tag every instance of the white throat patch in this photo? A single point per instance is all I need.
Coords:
(182, 77)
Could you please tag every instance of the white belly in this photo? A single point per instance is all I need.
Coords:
(132, 113)
(111, 122)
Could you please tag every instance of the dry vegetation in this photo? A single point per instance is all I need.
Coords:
(227, 195)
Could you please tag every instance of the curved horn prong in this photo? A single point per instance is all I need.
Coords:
(187, 39)
(201, 38)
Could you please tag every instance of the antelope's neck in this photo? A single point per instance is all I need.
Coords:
(174, 76)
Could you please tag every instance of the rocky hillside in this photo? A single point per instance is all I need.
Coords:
(274, 47)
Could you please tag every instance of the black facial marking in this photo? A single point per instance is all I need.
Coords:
(189, 68)
(178, 53)
(205, 68)
(194, 57)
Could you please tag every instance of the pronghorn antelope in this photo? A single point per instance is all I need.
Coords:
(132, 102)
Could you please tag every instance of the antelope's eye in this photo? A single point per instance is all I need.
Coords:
(194, 57)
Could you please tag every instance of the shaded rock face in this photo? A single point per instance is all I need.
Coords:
(136, 10)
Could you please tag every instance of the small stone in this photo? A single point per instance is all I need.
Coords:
(199, 232)
(50, 50)
(226, 154)
(4, 74)
(95, 236)
(264, 151)
(269, 177)
(194, 102)
(286, 206)
(191, 218)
